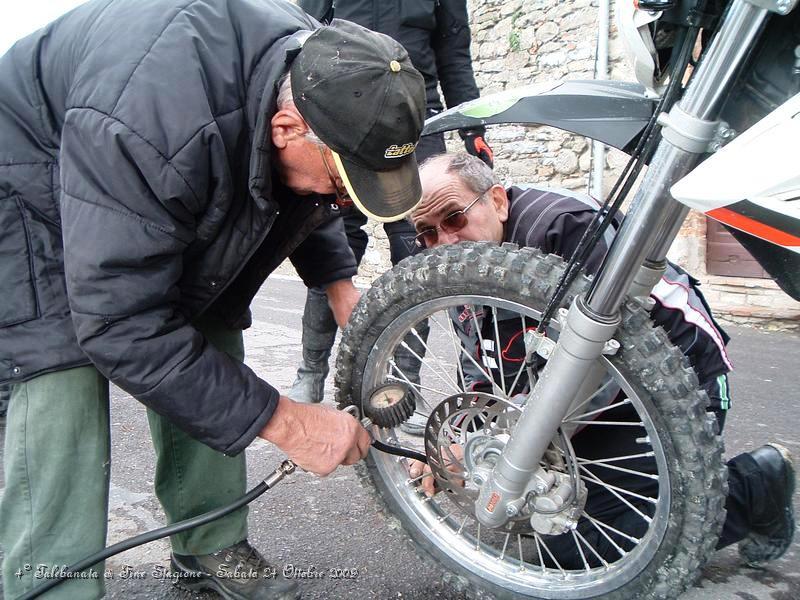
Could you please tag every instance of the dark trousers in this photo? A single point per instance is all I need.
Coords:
(745, 487)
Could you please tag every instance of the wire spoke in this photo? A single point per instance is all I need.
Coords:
(620, 469)
(598, 461)
(550, 554)
(456, 345)
(461, 527)
(580, 551)
(590, 547)
(499, 352)
(602, 409)
(599, 524)
(482, 346)
(405, 346)
(522, 364)
(418, 479)
(590, 398)
(609, 423)
(474, 362)
(539, 552)
(430, 352)
(614, 490)
(505, 545)
(521, 558)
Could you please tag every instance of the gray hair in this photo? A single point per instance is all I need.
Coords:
(285, 99)
(471, 170)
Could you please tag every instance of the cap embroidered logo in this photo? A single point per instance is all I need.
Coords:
(395, 151)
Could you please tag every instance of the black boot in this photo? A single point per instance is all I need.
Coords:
(319, 333)
(772, 522)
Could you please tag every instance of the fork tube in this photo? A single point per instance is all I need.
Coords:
(589, 325)
(653, 213)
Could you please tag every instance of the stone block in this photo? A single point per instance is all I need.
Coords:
(566, 162)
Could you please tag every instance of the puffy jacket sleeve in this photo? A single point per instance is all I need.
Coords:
(127, 216)
(325, 256)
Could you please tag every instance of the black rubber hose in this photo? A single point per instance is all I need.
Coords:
(147, 537)
(163, 532)
(397, 451)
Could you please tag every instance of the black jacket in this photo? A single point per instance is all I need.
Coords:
(554, 221)
(137, 192)
(434, 32)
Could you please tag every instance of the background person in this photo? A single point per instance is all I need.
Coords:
(159, 160)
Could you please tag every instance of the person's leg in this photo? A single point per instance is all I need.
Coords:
(760, 513)
(191, 478)
(54, 508)
(319, 326)
(319, 333)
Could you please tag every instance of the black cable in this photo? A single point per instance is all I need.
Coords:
(398, 451)
(145, 538)
(157, 534)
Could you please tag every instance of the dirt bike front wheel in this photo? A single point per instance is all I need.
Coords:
(642, 443)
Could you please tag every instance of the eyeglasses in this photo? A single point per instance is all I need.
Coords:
(455, 221)
(342, 197)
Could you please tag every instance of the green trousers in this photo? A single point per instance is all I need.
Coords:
(57, 461)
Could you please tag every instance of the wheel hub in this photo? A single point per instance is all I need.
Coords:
(464, 438)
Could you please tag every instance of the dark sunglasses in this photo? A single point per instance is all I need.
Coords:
(455, 221)
(342, 196)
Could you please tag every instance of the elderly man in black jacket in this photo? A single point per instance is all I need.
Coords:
(437, 38)
(158, 160)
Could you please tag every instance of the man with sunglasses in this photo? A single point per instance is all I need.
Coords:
(462, 200)
(159, 160)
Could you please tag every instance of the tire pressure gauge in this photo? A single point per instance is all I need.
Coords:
(390, 404)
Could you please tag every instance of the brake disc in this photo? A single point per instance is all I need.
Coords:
(465, 432)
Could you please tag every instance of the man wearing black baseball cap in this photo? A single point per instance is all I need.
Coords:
(365, 102)
(159, 160)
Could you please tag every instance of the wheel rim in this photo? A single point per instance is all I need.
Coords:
(522, 564)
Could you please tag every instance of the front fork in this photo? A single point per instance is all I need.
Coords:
(644, 238)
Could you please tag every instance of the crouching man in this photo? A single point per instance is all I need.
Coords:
(463, 200)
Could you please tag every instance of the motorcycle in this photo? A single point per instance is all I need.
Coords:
(525, 509)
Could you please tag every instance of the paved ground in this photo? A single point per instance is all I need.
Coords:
(321, 524)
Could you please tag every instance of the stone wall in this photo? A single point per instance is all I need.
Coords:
(516, 42)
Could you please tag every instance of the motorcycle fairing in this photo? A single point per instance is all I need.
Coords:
(612, 112)
(753, 186)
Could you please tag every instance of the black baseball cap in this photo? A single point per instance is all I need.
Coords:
(359, 92)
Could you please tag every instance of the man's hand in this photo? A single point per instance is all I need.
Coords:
(342, 298)
(454, 460)
(317, 438)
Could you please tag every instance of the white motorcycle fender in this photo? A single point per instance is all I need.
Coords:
(753, 183)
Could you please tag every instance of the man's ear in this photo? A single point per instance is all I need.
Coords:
(287, 124)
(500, 202)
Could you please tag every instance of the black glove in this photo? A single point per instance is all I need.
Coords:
(476, 145)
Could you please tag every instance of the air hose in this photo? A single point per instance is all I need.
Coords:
(287, 467)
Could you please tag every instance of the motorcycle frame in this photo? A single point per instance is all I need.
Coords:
(639, 248)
